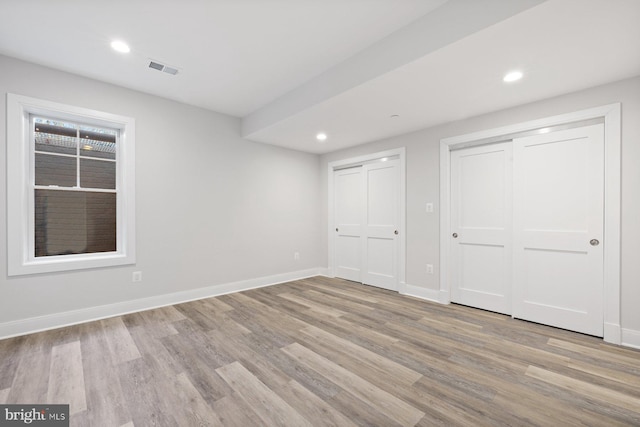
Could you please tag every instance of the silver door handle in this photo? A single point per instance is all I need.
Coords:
(455, 235)
(594, 242)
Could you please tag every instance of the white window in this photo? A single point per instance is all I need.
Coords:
(70, 187)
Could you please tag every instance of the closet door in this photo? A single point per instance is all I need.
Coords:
(481, 227)
(348, 211)
(380, 234)
(558, 247)
(367, 235)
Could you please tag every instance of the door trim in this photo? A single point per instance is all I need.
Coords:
(356, 161)
(612, 158)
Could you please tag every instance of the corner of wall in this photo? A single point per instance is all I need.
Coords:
(432, 295)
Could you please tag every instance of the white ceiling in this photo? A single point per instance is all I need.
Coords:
(561, 46)
(235, 56)
(291, 68)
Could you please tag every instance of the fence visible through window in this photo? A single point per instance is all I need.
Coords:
(74, 177)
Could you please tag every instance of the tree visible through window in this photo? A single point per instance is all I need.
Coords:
(74, 188)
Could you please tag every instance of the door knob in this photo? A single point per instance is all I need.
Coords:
(336, 228)
(455, 235)
(395, 232)
(594, 242)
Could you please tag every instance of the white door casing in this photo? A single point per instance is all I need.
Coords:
(481, 227)
(558, 211)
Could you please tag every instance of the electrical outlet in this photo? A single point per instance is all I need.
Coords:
(429, 208)
(296, 256)
(430, 268)
(137, 276)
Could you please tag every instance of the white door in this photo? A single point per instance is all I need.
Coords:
(348, 211)
(558, 228)
(366, 209)
(380, 234)
(481, 227)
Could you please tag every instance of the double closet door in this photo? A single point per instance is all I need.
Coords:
(527, 227)
(366, 218)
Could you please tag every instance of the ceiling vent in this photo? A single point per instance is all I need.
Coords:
(164, 68)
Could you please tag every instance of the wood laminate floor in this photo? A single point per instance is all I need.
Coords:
(322, 352)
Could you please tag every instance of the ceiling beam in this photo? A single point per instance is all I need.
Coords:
(452, 21)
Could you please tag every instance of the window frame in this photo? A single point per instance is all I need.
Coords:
(21, 257)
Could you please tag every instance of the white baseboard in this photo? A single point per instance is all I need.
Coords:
(432, 295)
(58, 320)
(324, 271)
(631, 338)
(612, 333)
(445, 297)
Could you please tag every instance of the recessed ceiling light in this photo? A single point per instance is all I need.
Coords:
(512, 76)
(120, 46)
(321, 136)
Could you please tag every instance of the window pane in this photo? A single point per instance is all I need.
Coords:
(72, 222)
(97, 142)
(55, 137)
(97, 174)
(55, 170)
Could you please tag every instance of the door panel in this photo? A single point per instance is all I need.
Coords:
(559, 208)
(380, 261)
(348, 206)
(382, 191)
(480, 264)
(481, 218)
(553, 174)
(380, 245)
(547, 286)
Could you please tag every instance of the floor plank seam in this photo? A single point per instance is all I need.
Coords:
(322, 351)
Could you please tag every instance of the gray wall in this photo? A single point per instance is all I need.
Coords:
(422, 181)
(211, 207)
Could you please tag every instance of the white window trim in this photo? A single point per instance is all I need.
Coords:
(19, 259)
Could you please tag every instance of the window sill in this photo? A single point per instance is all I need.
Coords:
(52, 264)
